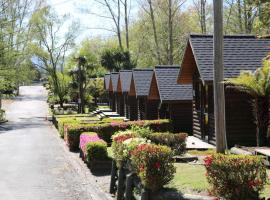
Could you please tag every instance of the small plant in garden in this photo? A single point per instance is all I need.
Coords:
(235, 177)
(141, 131)
(153, 164)
(176, 141)
(85, 138)
(118, 146)
(96, 150)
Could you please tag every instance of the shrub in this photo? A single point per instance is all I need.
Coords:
(235, 177)
(96, 151)
(85, 138)
(61, 123)
(118, 146)
(105, 130)
(153, 165)
(141, 131)
(177, 141)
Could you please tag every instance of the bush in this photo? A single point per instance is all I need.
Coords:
(153, 165)
(177, 141)
(85, 138)
(235, 177)
(141, 131)
(96, 151)
(118, 146)
(105, 130)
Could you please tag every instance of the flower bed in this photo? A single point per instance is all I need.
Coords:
(235, 177)
(105, 130)
(94, 151)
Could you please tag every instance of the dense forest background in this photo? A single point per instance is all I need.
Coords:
(35, 42)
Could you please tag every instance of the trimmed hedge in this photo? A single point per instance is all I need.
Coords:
(176, 141)
(105, 130)
(96, 151)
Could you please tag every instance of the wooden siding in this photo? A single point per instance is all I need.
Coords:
(240, 127)
(153, 92)
(181, 116)
(152, 109)
(132, 108)
(188, 67)
(120, 104)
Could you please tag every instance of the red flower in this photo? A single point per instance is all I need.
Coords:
(141, 168)
(208, 161)
(157, 165)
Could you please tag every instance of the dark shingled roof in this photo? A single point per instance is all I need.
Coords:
(169, 89)
(142, 80)
(125, 78)
(107, 81)
(241, 52)
(114, 78)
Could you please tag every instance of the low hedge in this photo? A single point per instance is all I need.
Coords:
(235, 176)
(176, 141)
(96, 151)
(105, 130)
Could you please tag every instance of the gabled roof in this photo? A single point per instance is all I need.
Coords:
(166, 80)
(107, 81)
(113, 82)
(124, 80)
(241, 52)
(141, 79)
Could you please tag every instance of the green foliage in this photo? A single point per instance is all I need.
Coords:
(235, 177)
(96, 151)
(176, 142)
(153, 164)
(116, 59)
(106, 128)
(118, 146)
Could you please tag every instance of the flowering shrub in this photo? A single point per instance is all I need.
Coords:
(118, 146)
(142, 131)
(235, 177)
(153, 164)
(96, 150)
(177, 141)
(85, 138)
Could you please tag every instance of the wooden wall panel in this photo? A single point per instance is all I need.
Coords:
(181, 116)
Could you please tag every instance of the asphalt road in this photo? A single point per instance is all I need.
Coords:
(34, 162)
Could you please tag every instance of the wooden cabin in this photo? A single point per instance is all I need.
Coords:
(106, 88)
(113, 92)
(139, 89)
(175, 101)
(240, 53)
(123, 87)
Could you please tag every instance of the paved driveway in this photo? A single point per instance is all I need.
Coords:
(34, 162)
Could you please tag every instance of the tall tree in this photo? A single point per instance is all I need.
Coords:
(49, 45)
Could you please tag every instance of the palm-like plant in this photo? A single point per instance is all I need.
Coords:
(257, 84)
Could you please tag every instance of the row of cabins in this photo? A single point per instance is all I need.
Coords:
(185, 94)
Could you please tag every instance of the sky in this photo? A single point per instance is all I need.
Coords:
(91, 24)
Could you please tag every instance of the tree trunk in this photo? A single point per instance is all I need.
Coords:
(240, 15)
(203, 17)
(118, 26)
(170, 33)
(155, 31)
(126, 24)
(261, 119)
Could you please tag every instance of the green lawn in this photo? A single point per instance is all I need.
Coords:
(190, 178)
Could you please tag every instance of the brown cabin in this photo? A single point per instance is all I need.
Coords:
(240, 53)
(115, 103)
(175, 101)
(123, 87)
(106, 88)
(139, 89)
